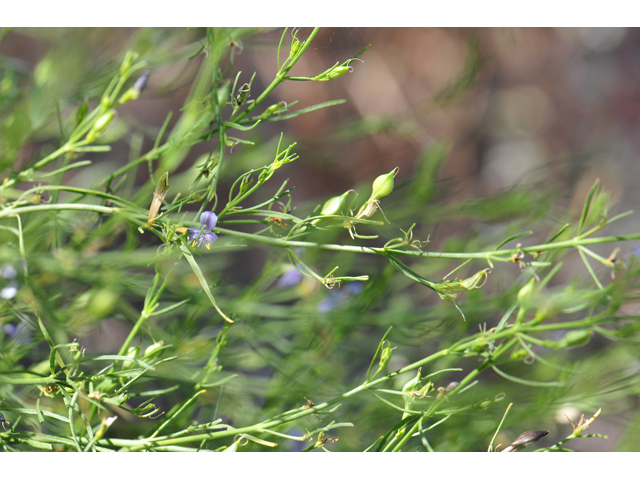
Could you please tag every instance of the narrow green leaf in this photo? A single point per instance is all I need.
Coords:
(302, 111)
(196, 269)
(93, 148)
(560, 232)
(124, 358)
(505, 317)
(242, 128)
(37, 444)
(177, 412)
(170, 308)
(162, 131)
(587, 204)
(39, 412)
(444, 370)
(219, 382)
(530, 383)
(588, 265)
(45, 413)
(396, 407)
(499, 426)
(513, 237)
(375, 356)
(46, 335)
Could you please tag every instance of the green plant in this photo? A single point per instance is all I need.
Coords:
(207, 364)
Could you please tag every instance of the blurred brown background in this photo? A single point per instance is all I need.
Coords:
(558, 103)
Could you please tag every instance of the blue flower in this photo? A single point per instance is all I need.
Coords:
(290, 278)
(9, 290)
(8, 271)
(338, 298)
(204, 235)
(294, 274)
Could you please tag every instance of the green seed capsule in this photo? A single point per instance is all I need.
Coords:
(383, 185)
(132, 352)
(519, 355)
(274, 108)
(152, 350)
(476, 281)
(334, 205)
(526, 292)
(336, 73)
(575, 338)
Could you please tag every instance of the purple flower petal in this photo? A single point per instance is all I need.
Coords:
(204, 235)
(193, 234)
(290, 278)
(200, 237)
(8, 271)
(207, 239)
(208, 220)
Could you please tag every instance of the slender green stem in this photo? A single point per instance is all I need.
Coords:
(132, 334)
(493, 255)
(407, 436)
(279, 78)
(10, 212)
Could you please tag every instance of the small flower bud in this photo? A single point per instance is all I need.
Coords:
(100, 125)
(126, 63)
(412, 384)
(245, 184)
(134, 92)
(141, 82)
(295, 46)
(385, 356)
